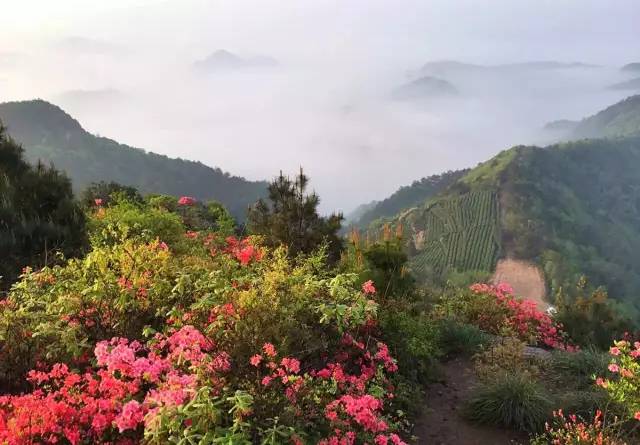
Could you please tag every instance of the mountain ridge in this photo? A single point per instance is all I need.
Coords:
(50, 134)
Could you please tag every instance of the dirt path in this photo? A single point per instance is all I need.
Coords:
(442, 422)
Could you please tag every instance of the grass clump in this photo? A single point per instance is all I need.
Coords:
(461, 338)
(512, 401)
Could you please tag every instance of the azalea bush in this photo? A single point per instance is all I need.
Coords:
(572, 430)
(494, 309)
(623, 380)
(197, 337)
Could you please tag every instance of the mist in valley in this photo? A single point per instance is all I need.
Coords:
(259, 87)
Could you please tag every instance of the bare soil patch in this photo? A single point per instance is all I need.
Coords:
(525, 278)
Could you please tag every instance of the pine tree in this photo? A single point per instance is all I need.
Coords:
(291, 218)
(38, 215)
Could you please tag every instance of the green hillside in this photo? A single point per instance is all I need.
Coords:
(49, 134)
(572, 208)
(575, 209)
(621, 119)
(405, 197)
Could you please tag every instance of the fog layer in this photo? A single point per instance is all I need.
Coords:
(310, 83)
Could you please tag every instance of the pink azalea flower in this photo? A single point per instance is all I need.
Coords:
(614, 368)
(186, 201)
(269, 349)
(368, 287)
(255, 360)
(132, 414)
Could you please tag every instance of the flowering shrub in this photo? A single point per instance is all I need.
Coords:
(202, 338)
(571, 430)
(496, 310)
(623, 382)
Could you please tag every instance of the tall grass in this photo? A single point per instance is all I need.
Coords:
(512, 401)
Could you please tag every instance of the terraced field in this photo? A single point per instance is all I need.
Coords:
(460, 233)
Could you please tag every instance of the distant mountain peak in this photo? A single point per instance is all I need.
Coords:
(425, 87)
(634, 67)
(222, 59)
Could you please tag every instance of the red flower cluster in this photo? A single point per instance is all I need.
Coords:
(573, 430)
(243, 250)
(186, 201)
(128, 388)
(523, 317)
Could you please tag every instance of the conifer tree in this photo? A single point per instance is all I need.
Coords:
(38, 215)
(291, 218)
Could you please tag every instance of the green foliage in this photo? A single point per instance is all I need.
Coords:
(48, 133)
(209, 216)
(576, 369)
(413, 337)
(620, 119)
(38, 215)
(505, 356)
(127, 220)
(461, 338)
(291, 219)
(105, 192)
(513, 401)
(590, 320)
(205, 420)
(582, 218)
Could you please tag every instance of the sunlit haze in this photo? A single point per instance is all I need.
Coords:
(316, 88)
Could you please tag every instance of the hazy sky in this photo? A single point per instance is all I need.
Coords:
(124, 68)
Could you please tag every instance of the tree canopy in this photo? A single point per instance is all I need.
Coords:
(290, 217)
(38, 214)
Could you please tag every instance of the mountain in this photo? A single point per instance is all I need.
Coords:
(446, 67)
(425, 88)
(570, 209)
(561, 126)
(565, 210)
(632, 84)
(225, 60)
(620, 119)
(49, 134)
(405, 197)
(633, 67)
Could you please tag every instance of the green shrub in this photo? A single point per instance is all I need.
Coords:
(585, 403)
(578, 368)
(505, 356)
(461, 338)
(413, 339)
(590, 318)
(511, 401)
(128, 220)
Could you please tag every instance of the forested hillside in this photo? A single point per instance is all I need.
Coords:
(573, 208)
(407, 197)
(621, 119)
(49, 134)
